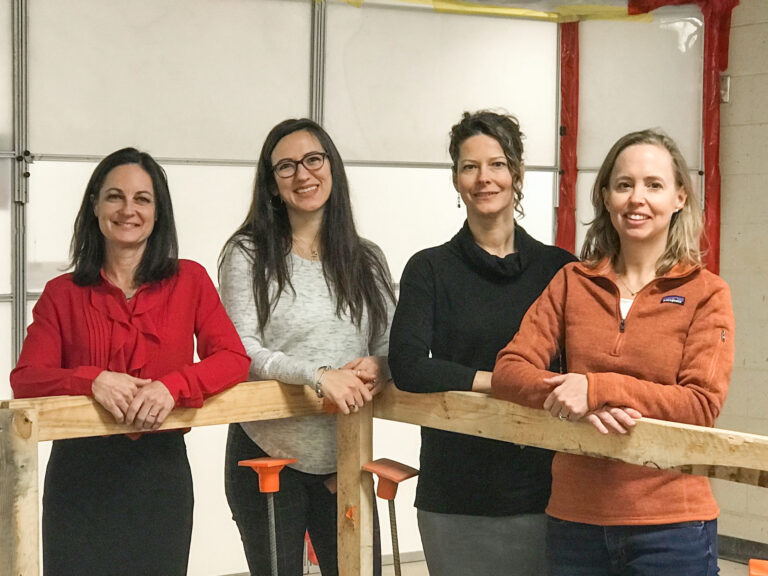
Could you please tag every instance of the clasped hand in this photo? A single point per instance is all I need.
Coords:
(569, 401)
(140, 402)
(355, 383)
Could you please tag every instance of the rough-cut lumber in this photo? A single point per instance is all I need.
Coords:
(80, 416)
(354, 439)
(18, 494)
(712, 452)
(666, 445)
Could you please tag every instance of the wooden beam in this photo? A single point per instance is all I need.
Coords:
(80, 416)
(18, 493)
(712, 452)
(354, 439)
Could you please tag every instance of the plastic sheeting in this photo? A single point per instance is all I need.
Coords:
(717, 22)
(717, 25)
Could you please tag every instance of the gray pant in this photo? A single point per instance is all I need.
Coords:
(458, 545)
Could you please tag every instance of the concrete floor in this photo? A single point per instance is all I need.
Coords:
(420, 569)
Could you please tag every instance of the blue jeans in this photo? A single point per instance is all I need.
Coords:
(682, 549)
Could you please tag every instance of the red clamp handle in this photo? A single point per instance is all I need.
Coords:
(268, 470)
(390, 474)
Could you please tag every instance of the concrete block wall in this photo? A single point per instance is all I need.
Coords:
(744, 254)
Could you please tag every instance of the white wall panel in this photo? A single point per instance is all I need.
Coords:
(538, 206)
(5, 226)
(398, 79)
(637, 75)
(216, 546)
(209, 203)
(6, 76)
(181, 78)
(55, 192)
(405, 210)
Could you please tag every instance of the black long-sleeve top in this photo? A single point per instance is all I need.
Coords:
(458, 306)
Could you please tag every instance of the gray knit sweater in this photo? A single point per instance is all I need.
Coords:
(303, 334)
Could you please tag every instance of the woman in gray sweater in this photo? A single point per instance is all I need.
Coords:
(312, 302)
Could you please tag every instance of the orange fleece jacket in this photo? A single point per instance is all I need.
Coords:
(671, 359)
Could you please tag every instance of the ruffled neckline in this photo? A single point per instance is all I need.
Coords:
(489, 265)
(132, 325)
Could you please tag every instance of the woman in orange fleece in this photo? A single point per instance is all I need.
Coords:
(645, 330)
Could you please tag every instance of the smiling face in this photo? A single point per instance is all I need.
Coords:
(482, 177)
(125, 207)
(306, 191)
(642, 195)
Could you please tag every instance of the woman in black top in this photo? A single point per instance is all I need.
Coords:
(480, 502)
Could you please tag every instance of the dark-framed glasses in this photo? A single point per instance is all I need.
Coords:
(312, 162)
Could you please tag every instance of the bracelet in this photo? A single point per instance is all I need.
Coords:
(317, 386)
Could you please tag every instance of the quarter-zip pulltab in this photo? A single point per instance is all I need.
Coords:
(619, 343)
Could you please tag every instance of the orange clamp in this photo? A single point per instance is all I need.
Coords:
(268, 470)
(390, 474)
(758, 567)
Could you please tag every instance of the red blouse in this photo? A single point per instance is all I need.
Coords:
(79, 331)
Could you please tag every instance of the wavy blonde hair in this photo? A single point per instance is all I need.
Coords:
(685, 228)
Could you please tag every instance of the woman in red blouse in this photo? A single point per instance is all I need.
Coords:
(121, 328)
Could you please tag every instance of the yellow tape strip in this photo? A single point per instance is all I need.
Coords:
(563, 13)
(459, 7)
(599, 12)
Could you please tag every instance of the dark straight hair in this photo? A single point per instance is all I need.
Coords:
(161, 255)
(353, 269)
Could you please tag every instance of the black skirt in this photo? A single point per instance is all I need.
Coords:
(113, 506)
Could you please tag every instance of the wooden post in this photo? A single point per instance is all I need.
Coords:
(354, 436)
(18, 493)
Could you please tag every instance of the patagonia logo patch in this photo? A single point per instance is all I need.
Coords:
(673, 300)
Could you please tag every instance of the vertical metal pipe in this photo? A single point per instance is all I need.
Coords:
(272, 533)
(20, 176)
(317, 68)
(395, 543)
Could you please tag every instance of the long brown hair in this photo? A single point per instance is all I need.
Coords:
(354, 271)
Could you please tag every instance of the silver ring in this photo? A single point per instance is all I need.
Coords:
(562, 417)
(358, 373)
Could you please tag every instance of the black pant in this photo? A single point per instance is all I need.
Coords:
(113, 506)
(302, 504)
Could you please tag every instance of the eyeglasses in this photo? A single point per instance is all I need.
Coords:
(312, 162)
